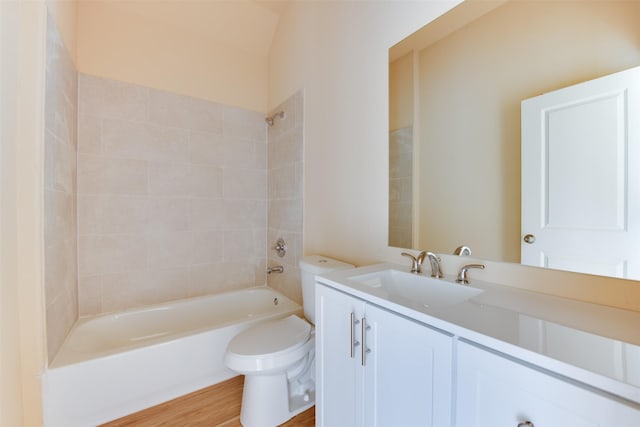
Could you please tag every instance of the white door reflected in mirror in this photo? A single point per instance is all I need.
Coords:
(580, 186)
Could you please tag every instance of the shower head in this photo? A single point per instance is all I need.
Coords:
(271, 119)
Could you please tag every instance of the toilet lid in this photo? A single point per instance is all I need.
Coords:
(271, 337)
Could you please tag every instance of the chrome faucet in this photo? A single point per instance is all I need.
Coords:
(436, 268)
(416, 261)
(462, 274)
(462, 251)
(276, 269)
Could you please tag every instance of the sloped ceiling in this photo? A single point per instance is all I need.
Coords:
(247, 25)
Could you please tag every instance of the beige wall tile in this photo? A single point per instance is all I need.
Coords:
(206, 214)
(294, 247)
(205, 180)
(244, 183)
(61, 313)
(244, 124)
(107, 214)
(221, 276)
(283, 182)
(101, 175)
(224, 150)
(64, 166)
(286, 214)
(240, 153)
(140, 288)
(89, 134)
(174, 249)
(168, 109)
(287, 283)
(60, 111)
(59, 218)
(244, 213)
(169, 179)
(143, 141)
(208, 247)
(285, 172)
(61, 269)
(286, 149)
(207, 147)
(60, 258)
(173, 184)
(89, 295)
(167, 214)
(105, 98)
(114, 253)
(174, 200)
(241, 244)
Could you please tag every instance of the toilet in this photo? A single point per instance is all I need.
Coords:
(277, 357)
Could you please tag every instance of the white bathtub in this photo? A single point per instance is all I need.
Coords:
(116, 364)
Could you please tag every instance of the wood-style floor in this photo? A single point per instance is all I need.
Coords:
(218, 405)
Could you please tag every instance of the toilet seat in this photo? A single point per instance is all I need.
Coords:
(269, 346)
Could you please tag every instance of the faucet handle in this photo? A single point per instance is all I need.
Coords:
(462, 274)
(415, 264)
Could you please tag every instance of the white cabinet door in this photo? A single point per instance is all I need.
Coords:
(493, 390)
(337, 394)
(407, 379)
(376, 368)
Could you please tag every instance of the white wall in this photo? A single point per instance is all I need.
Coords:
(22, 40)
(338, 52)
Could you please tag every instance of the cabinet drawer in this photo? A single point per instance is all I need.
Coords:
(493, 390)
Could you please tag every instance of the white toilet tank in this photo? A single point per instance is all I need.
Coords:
(310, 267)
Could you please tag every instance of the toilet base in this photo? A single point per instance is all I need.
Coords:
(266, 401)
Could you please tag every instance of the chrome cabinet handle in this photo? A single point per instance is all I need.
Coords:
(364, 350)
(530, 239)
(526, 424)
(354, 343)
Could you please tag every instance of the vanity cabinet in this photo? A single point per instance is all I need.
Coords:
(495, 390)
(378, 368)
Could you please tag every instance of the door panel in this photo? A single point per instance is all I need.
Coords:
(407, 379)
(337, 379)
(497, 391)
(580, 182)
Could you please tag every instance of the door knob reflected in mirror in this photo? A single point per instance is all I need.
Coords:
(529, 238)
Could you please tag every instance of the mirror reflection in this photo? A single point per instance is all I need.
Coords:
(455, 92)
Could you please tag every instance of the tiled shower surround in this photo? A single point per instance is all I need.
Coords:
(401, 188)
(152, 196)
(60, 142)
(172, 196)
(285, 166)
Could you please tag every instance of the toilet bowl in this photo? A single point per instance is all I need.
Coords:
(278, 357)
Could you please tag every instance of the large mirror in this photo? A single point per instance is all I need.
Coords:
(456, 88)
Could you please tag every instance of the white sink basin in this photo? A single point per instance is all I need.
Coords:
(420, 289)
